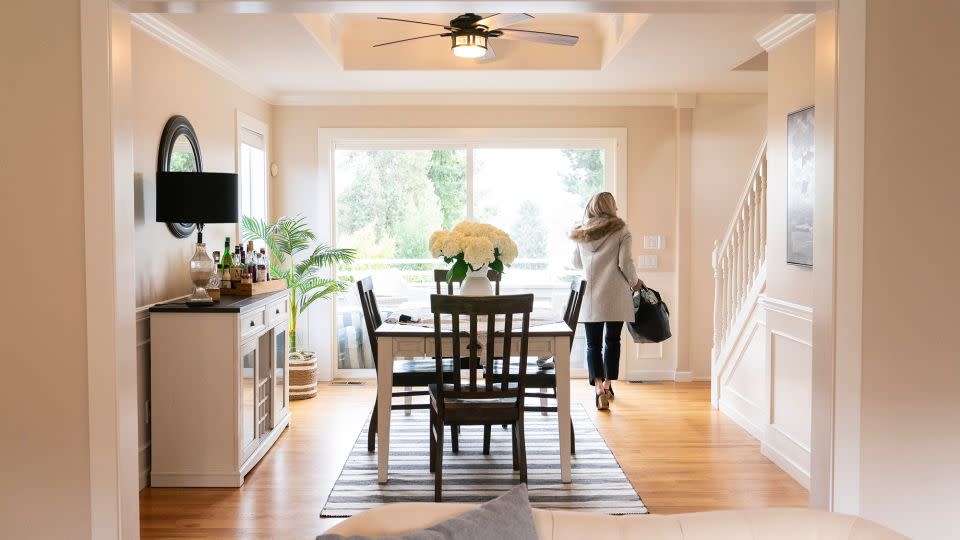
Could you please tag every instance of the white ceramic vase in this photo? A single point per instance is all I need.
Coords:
(476, 283)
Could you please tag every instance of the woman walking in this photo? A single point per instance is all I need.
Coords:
(605, 255)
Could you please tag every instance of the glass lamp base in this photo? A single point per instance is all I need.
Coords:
(199, 298)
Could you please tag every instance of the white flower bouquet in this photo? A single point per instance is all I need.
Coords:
(471, 246)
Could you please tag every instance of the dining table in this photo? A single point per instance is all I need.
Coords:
(548, 336)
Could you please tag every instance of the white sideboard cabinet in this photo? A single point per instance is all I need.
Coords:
(219, 388)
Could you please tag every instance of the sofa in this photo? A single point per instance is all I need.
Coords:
(769, 523)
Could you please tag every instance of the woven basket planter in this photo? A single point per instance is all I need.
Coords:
(303, 375)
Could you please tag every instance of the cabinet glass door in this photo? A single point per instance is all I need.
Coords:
(248, 400)
(279, 372)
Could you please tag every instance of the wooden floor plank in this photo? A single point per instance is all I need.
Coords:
(680, 455)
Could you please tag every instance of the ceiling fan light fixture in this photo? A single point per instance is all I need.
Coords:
(468, 45)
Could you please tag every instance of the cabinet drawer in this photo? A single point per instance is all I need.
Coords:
(408, 347)
(252, 323)
(278, 310)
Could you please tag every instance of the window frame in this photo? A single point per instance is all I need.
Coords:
(259, 127)
(612, 140)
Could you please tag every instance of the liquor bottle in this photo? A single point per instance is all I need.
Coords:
(263, 266)
(226, 267)
(237, 270)
(251, 261)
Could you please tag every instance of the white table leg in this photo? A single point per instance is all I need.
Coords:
(562, 347)
(384, 393)
(408, 400)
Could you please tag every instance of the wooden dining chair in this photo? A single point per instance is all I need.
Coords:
(479, 403)
(539, 378)
(407, 372)
(440, 279)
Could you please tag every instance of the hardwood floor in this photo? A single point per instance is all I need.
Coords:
(680, 455)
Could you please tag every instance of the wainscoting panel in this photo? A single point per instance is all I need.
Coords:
(786, 440)
(765, 385)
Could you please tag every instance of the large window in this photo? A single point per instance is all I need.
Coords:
(390, 196)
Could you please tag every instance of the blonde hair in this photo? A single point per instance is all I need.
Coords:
(600, 205)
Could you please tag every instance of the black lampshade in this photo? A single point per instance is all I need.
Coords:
(197, 197)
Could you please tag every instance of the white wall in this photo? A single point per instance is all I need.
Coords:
(910, 402)
(726, 135)
(766, 383)
(790, 86)
(165, 83)
(45, 468)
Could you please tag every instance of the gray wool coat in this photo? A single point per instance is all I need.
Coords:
(604, 253)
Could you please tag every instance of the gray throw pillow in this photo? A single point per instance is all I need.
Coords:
(507, 516)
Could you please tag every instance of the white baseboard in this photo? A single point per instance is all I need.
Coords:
(788, 465)
(740, 419)
(683, 376)
(652, 375)
(195, 480)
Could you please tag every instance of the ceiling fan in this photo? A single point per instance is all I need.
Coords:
(470, 33)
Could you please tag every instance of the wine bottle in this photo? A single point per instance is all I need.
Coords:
(227, 259)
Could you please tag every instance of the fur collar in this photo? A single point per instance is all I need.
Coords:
(596, 229)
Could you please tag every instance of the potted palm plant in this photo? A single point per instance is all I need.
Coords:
(286, 240)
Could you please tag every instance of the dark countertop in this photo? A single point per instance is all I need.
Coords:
(227, 304)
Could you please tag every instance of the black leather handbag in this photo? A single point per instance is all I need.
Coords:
(651, 323)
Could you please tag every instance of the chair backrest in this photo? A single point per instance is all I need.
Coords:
(371, 314)
(440, 278)
(571, 313)
(490, 308)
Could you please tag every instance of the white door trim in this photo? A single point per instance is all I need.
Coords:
(109, 269)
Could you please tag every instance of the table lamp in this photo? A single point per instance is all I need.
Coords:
(198, 197)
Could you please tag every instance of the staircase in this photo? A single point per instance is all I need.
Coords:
(739, 270)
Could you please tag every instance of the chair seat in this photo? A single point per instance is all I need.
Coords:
(467, 411)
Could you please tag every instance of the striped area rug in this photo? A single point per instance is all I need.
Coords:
(599, 484)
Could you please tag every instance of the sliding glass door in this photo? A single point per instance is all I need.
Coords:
(390, 196)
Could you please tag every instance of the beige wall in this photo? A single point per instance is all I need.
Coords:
(303, 183)
(166, 83)
(45, 468)
(790, 83)
(727, 133)
(910, 415)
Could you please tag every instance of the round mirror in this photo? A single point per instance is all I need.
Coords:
(179, 152)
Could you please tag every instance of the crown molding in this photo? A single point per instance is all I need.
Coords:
(412, 99)
(784, 29)
(188, 46)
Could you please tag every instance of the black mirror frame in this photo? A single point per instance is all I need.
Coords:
(176, 126)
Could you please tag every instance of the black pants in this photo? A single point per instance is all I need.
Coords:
(603, 349)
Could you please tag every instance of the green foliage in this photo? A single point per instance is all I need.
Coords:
(183, 162)
(528, 231)
(586, 173)
(286, 239)
(458, 271)
(447, 172)
(393, 194)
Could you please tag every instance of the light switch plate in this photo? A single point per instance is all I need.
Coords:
(648, 261)
(654, 241)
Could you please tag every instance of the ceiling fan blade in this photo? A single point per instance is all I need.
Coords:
(409, 39)
(502, 20)
(539, 37)
(415, 22)
(489, 57)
